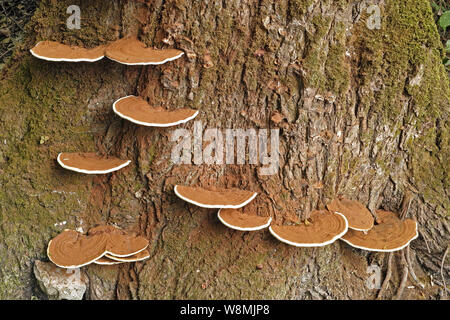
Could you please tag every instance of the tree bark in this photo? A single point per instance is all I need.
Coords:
(364, 113)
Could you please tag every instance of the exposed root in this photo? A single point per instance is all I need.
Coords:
(405, 260)
(442, 272)
(405, 272)
(388, 276)
(411, 269)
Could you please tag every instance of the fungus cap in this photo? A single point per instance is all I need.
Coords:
(358, 216)
(224, 198)
(236, 219)
(90, 163)
(120, 243)
(325, 228)
(55, 51)
(131, 51)
(70, 249)
(134, 258)
(137, 110)
(106, 261)
(389, 234)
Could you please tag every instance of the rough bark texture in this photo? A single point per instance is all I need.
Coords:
(365, 115)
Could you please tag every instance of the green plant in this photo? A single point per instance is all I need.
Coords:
(444, 20)
(447, 52)
(441, 11)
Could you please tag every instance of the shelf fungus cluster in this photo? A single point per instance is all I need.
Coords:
(352, 222)
(388, 233)
(129, 51)
(344, 219)
(104, 244)
(230, 203)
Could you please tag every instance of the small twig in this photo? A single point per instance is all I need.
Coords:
(442, 272)
(388, 276)
(6, 14)
(4, 53)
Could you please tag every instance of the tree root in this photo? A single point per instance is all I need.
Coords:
(442, 272)
(402, 285)
(411, 269)
(388, 276)
(405, 258)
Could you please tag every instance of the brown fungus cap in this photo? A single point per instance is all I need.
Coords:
(90, 163)
(55, 51)
(324, 227)
(136, 257)
(389, 234)
(131, 51)
(358, 216)
(221, 198)
(70, 249)
(236, 219)
(106, 261)
(137, 110)
(120, 243)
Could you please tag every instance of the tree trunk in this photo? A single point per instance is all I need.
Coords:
(364, 113)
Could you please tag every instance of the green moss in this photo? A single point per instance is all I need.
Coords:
(394, 55)
(39, 98)
(337, 69)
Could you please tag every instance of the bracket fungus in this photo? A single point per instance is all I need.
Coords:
(120, 243)
(358, 216)
(55, 51)
(325, 228)
(106, 261)
(142, 255)
(104, 245)
(137, 110)
(222, 198)
(70, 249)
(236, 219)
(90, 163)
(388, 234)
(131, 51)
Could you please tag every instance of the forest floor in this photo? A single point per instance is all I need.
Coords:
(14, 16)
